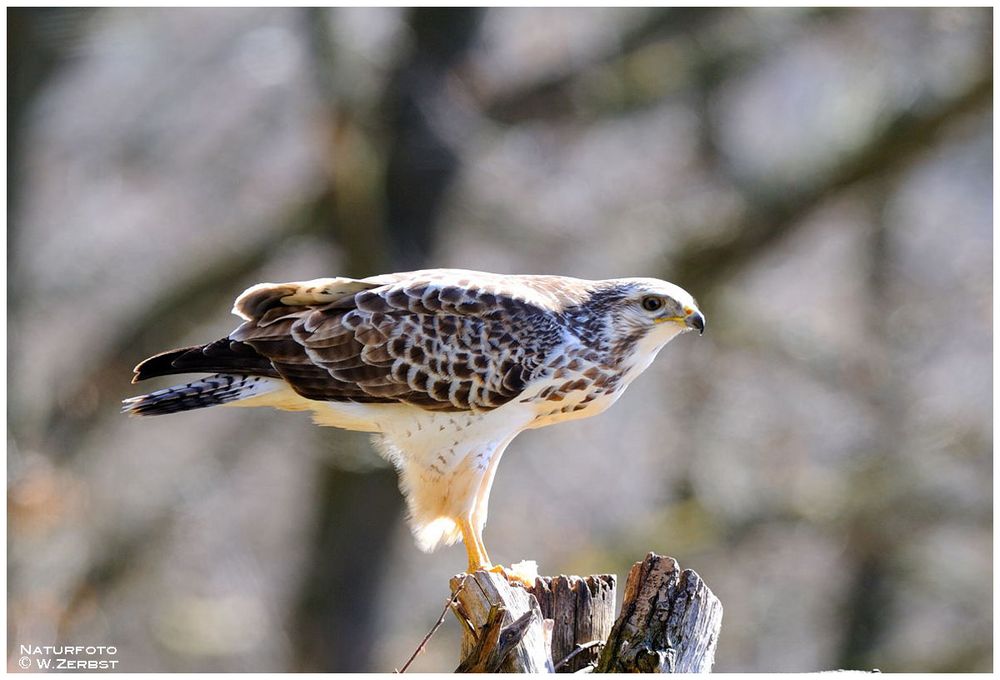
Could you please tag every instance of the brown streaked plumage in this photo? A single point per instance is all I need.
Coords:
(445, 366)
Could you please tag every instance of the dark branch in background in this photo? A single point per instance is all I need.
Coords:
(162, 320)
(667, 53)
(553, 97)
(771, 216)
(421, 161)
(868, 599)
(875, 543)
(386, 219)
(157, 324)
(354, 511)
(41, 40)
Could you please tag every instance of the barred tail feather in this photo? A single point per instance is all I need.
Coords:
(209, 391)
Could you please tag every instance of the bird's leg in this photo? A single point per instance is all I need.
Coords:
(478, 559)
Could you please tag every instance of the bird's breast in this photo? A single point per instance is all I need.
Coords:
(581, 382)
(440, 440)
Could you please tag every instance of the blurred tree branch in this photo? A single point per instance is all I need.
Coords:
(388, 201)
(671, 50)
(553, 96)
(771, 216)
(41, 39)
(874, 541)
(161, 320)
(121, 553)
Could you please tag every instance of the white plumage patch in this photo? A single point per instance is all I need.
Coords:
(446, 463)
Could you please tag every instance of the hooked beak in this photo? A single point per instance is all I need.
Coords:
(696, 321)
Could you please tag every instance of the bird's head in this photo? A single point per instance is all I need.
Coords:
(648, 312)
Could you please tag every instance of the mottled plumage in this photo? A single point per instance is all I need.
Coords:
(445, 366)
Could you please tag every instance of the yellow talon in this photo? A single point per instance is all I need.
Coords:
(512, 576)
(478, 559)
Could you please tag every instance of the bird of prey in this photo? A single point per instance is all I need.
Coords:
(445, 366)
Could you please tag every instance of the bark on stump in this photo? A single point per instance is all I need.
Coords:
(503, 628)
(582, 610)
(669, 622)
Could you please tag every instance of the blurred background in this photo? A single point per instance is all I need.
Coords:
(820, 179)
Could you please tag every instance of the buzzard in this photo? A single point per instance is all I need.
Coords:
(444, 366)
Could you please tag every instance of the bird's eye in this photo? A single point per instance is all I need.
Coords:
(651, 303)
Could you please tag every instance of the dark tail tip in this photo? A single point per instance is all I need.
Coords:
(221, 356)
(157, 365)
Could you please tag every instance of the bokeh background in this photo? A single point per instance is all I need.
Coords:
(820, 179)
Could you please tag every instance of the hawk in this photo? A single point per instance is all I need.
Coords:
(444, 366)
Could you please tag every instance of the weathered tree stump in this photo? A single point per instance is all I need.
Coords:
(582, 610)
(669, 622)
(503, 627)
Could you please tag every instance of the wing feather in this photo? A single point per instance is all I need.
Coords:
(435, 344)
(257, 301)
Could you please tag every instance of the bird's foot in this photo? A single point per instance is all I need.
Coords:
(520, 573)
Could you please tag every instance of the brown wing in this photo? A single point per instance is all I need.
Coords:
(437, 346)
